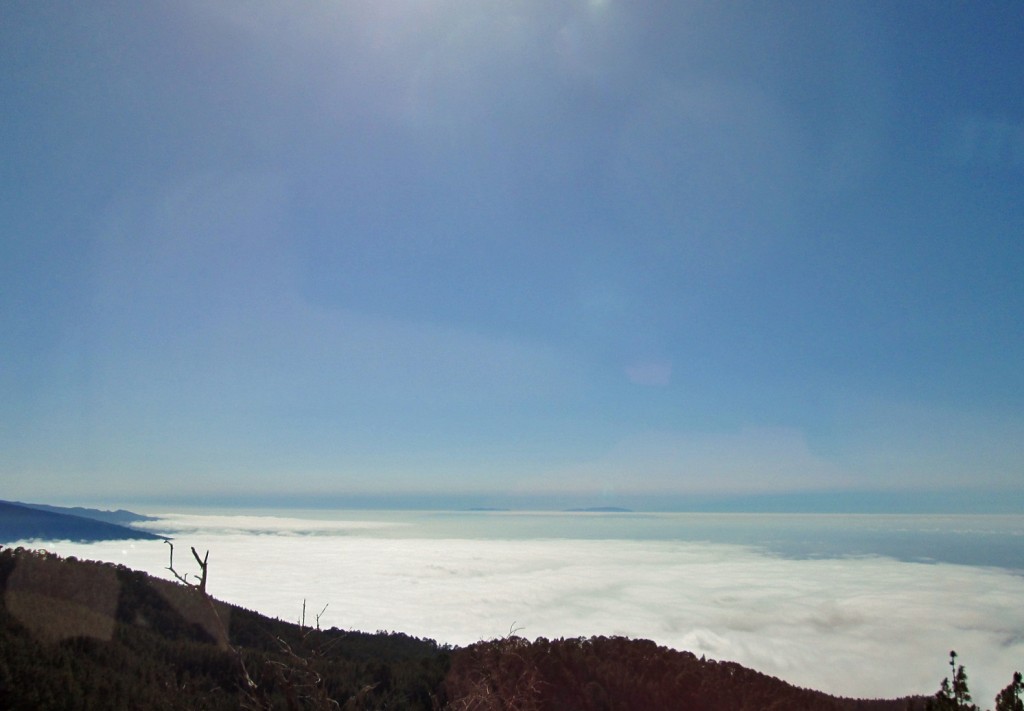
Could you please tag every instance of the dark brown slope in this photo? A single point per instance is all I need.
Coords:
(84, 635)
(618, 673)
(79, 634)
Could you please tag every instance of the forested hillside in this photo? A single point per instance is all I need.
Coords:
(86, 635)
(620, 673)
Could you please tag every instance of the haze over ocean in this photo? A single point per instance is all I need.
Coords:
(849, 604)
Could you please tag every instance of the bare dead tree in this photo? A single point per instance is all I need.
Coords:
(492, 685)
(302, 621)
(250, 689)
(201, 585)
(202, 567)
(297, 679)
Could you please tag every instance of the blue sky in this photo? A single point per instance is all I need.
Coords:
(570, 252)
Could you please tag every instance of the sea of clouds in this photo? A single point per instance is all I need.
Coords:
(867, 626)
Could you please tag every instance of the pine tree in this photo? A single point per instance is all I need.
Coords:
(1009, 698)
(953, 696)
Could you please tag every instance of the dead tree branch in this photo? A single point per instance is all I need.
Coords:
(250, 687)
(170, 567)
(202, 567)
(201, 585)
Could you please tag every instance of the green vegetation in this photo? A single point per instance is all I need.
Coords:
(954, 695)
(619, 673)
(160, 648)
(1009, 698)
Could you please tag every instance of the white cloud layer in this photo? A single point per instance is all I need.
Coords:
(867, 626)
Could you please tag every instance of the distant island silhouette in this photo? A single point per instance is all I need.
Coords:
(588, 509)
(20, 522)
(600, 509)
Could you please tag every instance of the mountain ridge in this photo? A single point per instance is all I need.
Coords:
(121, 517)
(98, 635)
(23, 522)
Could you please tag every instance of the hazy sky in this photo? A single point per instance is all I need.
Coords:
(583, 250)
